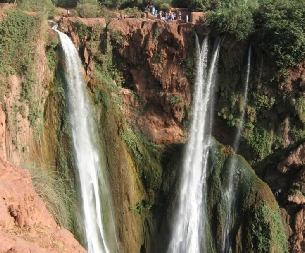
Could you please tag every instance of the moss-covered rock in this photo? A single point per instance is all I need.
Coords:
(255, 223)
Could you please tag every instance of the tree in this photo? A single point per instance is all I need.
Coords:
(280, 31)
(181, 3)
(233, 19)
(65, 3)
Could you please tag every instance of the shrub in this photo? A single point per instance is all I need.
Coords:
(65, 3)
(45, 6)
(280, 32)
(232, 19)
(165, 7)
(132, 12)
(176, 100)
(197, 5)
(82, 30)
(17, 34)
(88, 8)
(158, 3)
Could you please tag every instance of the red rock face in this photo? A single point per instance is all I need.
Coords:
(25, 223)
(152, 53)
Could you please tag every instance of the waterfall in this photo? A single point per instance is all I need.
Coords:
(98, 219)
(190, 220)
(242, 117)
(229, 195)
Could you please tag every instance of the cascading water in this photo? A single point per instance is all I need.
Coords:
(97, 214)
(229, 195)
(190, 220)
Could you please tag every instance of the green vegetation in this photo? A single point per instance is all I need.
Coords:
(50, 47)
(39, 6)
(52, 188)
(131, 12)
(20, 35)
(82, 30)
(117, 38)
(259, 140)
(277, 27)
(176, 100)
(233, 19)
(149, 169)
(280, 31)
(255, 214)
(88, 8)
(156, 34)
(140, 207)
(165, 7)
(17, 41)
(267, 231)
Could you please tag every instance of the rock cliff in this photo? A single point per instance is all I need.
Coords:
(140, 75)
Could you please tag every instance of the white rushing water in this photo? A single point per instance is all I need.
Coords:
(190, 220)
(229, 195)
(97, 214)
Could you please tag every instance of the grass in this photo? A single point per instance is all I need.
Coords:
(53, 189)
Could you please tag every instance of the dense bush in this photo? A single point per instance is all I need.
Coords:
(159, 3)
(280, 31)
(37, 5)
(65, 3)
(180, 3)
(277, 27)
(197, 5)
(164, 7)
(16, 42)
(234, 20)
(88, 8)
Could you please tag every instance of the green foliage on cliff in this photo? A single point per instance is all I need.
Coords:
(65, 3)
(140, 207)
(255, 215)
(280, 31)
(148, 167)
(50, 47)
(39, 6)
(88, 8)
(82, 30)
(176, 100)
(20, 34)
(196, 5)
(268, 232)
(233, 19)
(276, 27)
(17, 42)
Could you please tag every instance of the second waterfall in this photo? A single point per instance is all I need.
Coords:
(190, 224)
(95, 195)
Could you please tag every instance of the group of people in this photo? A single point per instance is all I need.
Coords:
(166, 16)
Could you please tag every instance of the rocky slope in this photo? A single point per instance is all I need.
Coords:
(25, 223)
